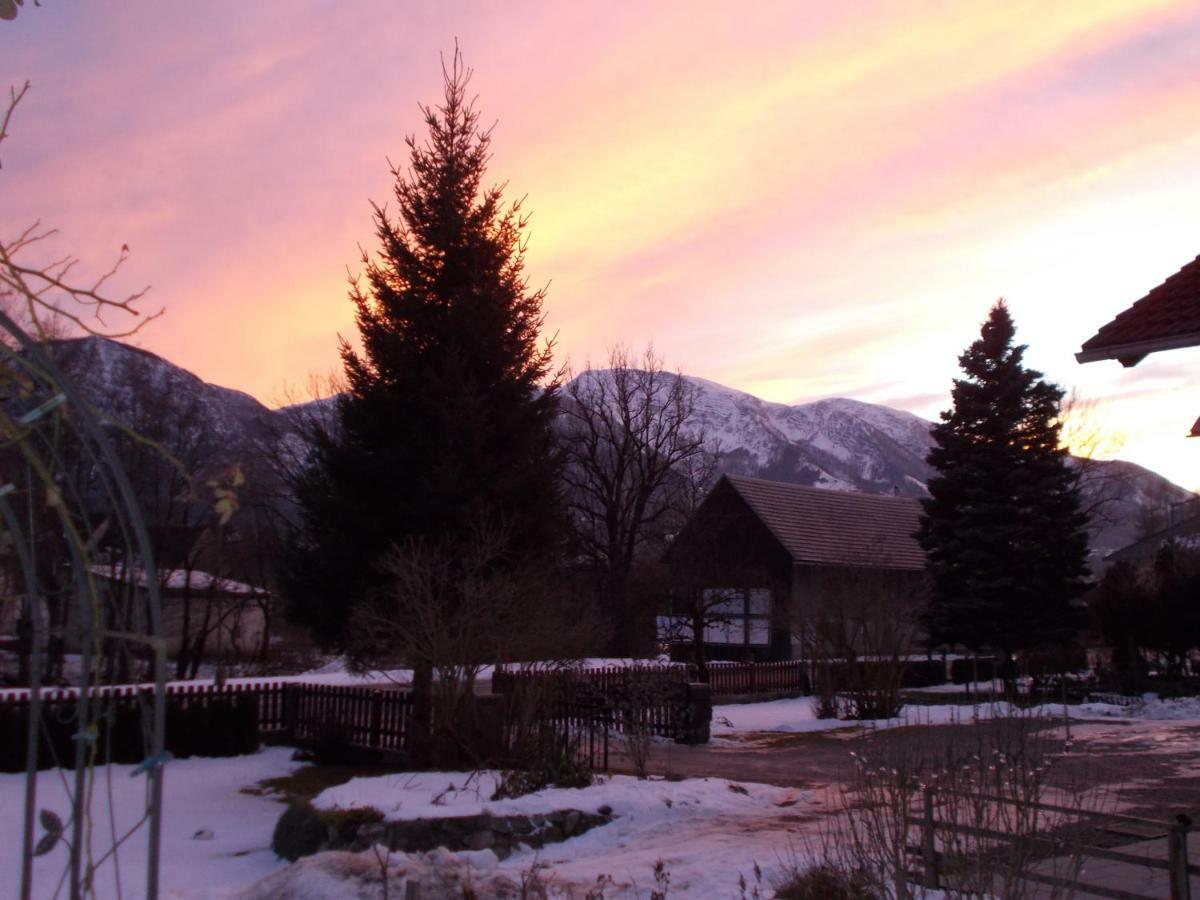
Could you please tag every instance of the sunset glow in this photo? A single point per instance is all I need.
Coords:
(798, 200)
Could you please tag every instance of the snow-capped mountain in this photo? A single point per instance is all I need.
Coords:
(838, 444)
(118, 378)
(844, 444)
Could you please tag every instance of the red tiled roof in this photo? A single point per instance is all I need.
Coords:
(838, 528)
(1165, 319)
(1195, 432)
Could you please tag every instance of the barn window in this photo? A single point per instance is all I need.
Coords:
(743, 616)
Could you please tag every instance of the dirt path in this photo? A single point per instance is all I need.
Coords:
(789, 760)
(1142, 768)
(1145, 768)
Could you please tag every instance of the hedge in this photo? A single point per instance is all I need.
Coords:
(965, 671)
(213, 727)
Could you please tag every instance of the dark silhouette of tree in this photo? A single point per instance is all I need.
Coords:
(446, 423)
(1149, 614)
(1002, 527)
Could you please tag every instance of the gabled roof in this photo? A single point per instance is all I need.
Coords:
(836, 528)
(1186, 533)
(174, 580)
(1167, 318)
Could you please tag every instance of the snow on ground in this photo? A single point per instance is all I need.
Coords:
(796, 714)
(200, 795)
(951, 688)
(706, 831)
(1150, 708)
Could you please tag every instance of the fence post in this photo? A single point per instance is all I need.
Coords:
(1177, 858)
(376, 738)
(291, 709)
(928, 847)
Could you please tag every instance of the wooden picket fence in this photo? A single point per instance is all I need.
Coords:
(371, 718)
(269, 698)
(364, 717)
(759, 678)
(645, 698)
(789, 676)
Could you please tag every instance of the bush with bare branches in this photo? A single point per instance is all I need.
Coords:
(984, 805)
(858, 627)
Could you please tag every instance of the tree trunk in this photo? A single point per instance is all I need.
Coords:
(420, 743)
(698, 654)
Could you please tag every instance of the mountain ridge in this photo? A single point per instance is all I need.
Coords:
(832, 443)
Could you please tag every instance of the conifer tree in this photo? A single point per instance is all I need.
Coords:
(446, 425)
(1002, 527)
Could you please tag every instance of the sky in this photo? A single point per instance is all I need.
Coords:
(795, 199)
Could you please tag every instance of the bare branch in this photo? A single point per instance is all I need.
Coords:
(14, 97)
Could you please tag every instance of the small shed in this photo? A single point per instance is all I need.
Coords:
(770, 553)
(229, 615)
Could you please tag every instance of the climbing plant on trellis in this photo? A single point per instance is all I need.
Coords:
(67, 515)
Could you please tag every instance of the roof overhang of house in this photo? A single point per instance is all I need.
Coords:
(1130, 354)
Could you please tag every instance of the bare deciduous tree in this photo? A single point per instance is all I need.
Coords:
(629, 446)
(451, 608)
(858, 627)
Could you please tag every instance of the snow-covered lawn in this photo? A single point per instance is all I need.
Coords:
(200, 795)
(796, 714)
(706, 831)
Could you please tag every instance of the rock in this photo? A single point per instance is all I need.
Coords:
(204, 834)
(605, 810)
(484, 839)
(502, 826)
(372, 834)
(570, 822)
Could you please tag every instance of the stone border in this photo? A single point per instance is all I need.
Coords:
(503, 835)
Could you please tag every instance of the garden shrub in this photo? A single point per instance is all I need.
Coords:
(333, 746)
(303, 830)
(827, 882)
(218, 727)
(963, 671)
(299, 832)
(924, 673)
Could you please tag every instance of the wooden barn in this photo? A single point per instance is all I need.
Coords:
(760, 558)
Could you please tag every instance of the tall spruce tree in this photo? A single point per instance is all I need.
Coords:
(447, 422)
(1002, 527)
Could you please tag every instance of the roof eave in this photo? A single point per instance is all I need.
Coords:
(1131, 354)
